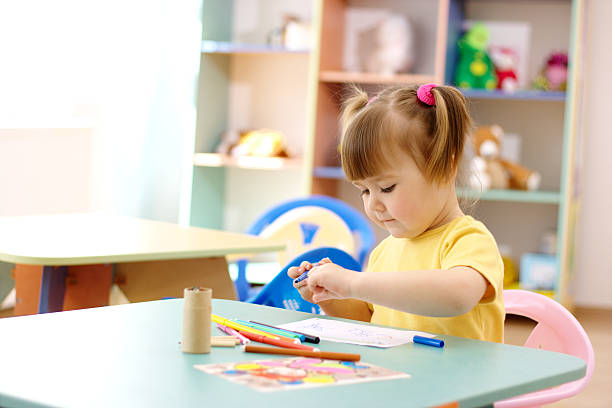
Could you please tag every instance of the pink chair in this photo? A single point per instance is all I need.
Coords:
(556, 330)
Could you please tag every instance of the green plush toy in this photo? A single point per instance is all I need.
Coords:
(475, 69)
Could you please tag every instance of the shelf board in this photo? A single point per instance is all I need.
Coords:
(221, 47)
(329, 172)
(541, 197)
(526, 94)
(368, 78)
(536, 197)
(245, 162)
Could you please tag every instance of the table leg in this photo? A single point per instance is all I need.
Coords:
(52, 289)
(43, 289)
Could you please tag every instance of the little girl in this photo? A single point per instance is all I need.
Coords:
(439, 271)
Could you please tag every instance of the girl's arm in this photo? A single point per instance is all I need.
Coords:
(430, 293)
(347, 308)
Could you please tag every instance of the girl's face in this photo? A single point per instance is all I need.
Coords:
(402, 202)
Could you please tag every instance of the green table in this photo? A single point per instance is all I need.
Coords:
(130, 356)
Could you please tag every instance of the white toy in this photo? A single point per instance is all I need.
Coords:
(387, 48)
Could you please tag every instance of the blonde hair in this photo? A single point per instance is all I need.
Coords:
(434, 136)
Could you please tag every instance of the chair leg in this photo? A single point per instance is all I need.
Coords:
(241, 283)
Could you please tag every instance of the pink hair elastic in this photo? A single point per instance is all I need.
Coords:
(371, 100)
(424, 94)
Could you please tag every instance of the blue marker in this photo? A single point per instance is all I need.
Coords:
(301, 277)
(427, 341)
(305, 274)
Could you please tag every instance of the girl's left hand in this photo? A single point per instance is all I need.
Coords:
(330, 281)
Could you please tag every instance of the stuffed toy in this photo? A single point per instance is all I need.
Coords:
(262, 142)
(387, 48)
(505, 60)
(475, 68)
(553, 76)
(494, 172)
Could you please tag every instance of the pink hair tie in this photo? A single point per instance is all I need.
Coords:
(424, 94)
(371, 100)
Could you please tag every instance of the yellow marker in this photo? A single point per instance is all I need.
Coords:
(238, 326)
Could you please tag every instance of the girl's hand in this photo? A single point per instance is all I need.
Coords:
(330, 281)
(302, 286)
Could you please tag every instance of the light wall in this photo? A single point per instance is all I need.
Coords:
(593, 280)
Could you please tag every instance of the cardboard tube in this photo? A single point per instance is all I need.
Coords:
(196, 320)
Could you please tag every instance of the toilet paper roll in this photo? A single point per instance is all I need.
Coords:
(196, 320)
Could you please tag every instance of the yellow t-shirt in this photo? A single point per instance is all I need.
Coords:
(462, 242)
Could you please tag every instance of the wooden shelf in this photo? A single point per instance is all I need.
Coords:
(536, 197)
(368, 78)
(221, 47)
(245, 162)
(526, 94)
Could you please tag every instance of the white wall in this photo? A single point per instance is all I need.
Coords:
(102, 92)
(593, 281)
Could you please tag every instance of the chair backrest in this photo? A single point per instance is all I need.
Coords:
(556, 330)
(363, 233)
(305, 228)
(280, 291)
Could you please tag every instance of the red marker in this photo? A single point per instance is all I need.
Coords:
(279, 343)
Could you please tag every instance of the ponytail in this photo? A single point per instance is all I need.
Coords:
(357, 100)
(451, 123)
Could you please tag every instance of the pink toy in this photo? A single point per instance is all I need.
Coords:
(424, 94)
(557, 330)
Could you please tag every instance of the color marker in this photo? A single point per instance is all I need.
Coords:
(279, 343)
(307, 337)
(249, 348)
(305, 274)
(273, 330)
(243, 328)
(232, 332)
(428, 341)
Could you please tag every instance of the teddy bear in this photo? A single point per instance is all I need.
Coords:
(475, 68)
(489, 170)
(505, 60)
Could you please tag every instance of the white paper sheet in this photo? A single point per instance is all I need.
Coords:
(353, 333)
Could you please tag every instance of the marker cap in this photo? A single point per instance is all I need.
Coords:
(428, 341)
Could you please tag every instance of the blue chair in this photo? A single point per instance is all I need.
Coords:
(358, 225)
(279, 292)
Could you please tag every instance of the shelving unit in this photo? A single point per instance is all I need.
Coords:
(229, 193)
(546, 121)
(244, 84)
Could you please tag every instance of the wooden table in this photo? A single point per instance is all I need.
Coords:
(70, 261)
(130, 356)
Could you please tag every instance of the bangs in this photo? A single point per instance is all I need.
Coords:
(371, 141)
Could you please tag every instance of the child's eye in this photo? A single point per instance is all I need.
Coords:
(388, 189)
(364, 192)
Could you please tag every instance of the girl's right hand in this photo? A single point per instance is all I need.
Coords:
(302, 286)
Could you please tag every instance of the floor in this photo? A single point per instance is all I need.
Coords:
(598, 325)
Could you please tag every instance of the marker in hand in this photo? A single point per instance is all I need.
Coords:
(305, 274)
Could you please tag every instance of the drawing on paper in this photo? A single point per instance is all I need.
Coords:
(298, 372)
(344, 332)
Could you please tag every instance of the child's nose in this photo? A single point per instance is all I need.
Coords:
(375, 204)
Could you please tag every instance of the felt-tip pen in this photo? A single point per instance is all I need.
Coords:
(305, 274)
(428, 341)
